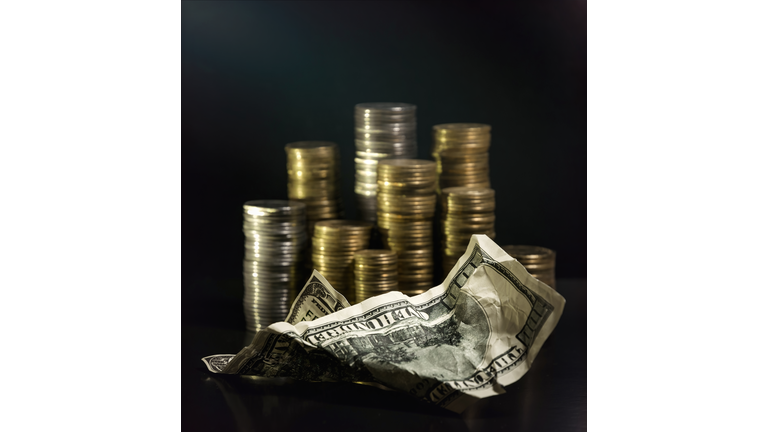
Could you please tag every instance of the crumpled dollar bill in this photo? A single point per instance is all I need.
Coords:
(458, 342)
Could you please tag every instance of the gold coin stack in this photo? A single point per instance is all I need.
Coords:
(466, 211)
(333, 252)
(275, 245)
(375, 273)
(461, 152)
(406, 207)
(383, 130)
(538, 261)
(314, 179)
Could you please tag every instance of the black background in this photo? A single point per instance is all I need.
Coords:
(258, 75)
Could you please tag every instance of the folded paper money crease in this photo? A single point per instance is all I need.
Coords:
(462, 340)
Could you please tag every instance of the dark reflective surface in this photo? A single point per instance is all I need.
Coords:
(552, 396)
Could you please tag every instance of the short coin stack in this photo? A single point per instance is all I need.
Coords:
(375, 273)
(538, 261)
(275, 245)
(333, 252)
(461, 152)
(383, 130)
(314, 179)
(466, 211)
(406, 207)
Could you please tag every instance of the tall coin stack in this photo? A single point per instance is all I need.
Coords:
(275, 245)
(333, 252)
(406, 207)
(466, 211)
(538, 261)
(314, 179)
(461, 152)
(383, 130)
(375, 273)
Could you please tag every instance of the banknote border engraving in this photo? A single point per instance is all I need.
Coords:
(319, 293)
(476, 260)
(483, 378)
(540, 310)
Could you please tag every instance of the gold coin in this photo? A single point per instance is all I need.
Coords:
(461, 128)
(338, 226)
(539, 268)
(376, 255)
(406, 198)
(527, 251)
(409, 165)
(311, 147)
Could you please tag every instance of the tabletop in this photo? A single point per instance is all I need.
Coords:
(551, 396)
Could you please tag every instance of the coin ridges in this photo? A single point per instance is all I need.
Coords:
(275, 247)
(383, 130)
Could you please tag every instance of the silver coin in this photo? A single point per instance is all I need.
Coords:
(385, 107)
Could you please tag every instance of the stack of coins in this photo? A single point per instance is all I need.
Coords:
(333, 252)
(406, 207)
(383, 130)
(314, 179)
(275, 245)
(538, 261)
(466, 211)
(375, 273)
(461, 152)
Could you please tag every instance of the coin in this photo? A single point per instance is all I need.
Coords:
(375, 272)
(334, 244)
(383, 131)
(465, 211)
(461, 153)
(275, 245)
(406, 207)
(537, 260)
(314, 177)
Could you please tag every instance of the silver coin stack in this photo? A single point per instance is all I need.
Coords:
(275, 246)
(383, 130)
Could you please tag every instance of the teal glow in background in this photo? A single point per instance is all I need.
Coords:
(258, 75)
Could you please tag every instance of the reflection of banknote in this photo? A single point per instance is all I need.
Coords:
(460, 341)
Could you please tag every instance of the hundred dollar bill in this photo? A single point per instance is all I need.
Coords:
(458, 342)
